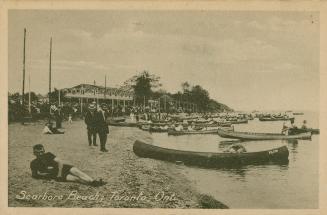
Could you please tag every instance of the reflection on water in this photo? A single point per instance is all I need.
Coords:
(294, 185)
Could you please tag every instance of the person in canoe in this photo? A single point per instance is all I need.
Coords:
(236, 148)
(179, 127)
(285, 129)
(48, 166)
(304, 125)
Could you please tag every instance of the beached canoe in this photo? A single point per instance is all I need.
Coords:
(211, 159)
(124, 124)
(261, 136)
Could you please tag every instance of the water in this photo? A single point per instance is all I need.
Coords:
(294, 185)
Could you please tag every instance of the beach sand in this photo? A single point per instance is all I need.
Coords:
(132, 182)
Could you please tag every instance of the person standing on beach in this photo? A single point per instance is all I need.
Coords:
(90, 121)
(102, 126)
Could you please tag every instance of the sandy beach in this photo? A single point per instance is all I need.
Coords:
(132, 182)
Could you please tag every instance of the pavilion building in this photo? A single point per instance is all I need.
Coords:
(87, 93)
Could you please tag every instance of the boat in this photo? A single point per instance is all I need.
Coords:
(304, 130)
(118, 119)
(212, 159)
(275, 118)
(123, 124)
(261, 136)
(186, 132)
(298, 113)
(239, 121)
(176, 133)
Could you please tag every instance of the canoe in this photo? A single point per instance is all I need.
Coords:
(212, 159)
(157, 129)
(275, 119)
(124, 124)
(118, 119)
(176, 133)
(186, 132)
(261, 136)
(242, 121)
(304, 130)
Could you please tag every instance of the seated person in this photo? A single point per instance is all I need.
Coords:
(304, 126)
(285, 129)
(48, 166)
(49, 129)
(179, 127)
(189, 128)
(237, 148)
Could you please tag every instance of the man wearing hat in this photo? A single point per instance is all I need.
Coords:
(102, 126)
(91, 123)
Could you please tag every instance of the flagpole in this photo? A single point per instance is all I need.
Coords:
(23, 90)
(50, 78)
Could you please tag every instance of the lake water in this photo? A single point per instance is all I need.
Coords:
(294, 185)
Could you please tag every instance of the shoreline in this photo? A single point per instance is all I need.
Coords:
(132, 182)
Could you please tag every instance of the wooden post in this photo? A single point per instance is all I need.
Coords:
(29, 94)
(23, 89)
(50, 78)
(59, 104)
(105, 87)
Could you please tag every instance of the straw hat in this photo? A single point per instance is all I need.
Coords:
(92, 106)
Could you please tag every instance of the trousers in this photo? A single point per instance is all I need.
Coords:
(103, 140)
(92, 135)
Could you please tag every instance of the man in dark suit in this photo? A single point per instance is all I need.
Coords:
(91, 123)
(102, 126)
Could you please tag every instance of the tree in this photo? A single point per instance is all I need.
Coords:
(54, 96)
(143, 84)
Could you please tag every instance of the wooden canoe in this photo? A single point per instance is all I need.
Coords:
(211, 159)
(176, 133)
(124, 124)
(275, 119)
(261, 136)
(210, 131)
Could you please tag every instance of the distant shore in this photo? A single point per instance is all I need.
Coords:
(133, 182)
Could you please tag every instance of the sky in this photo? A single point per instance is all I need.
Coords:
(248, 60)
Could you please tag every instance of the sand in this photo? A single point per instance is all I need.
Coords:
(132, 182)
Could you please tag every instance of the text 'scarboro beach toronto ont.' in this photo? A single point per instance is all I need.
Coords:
(163, 109)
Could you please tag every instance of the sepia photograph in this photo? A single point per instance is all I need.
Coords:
(174, 109)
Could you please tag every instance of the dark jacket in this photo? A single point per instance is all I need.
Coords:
(90, 120)
(101, 123)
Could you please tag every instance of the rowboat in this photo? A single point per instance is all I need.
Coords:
(298, 113)
(212, 159)
(261, 136)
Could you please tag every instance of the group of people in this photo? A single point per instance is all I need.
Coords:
(97, 124)
(293, 129)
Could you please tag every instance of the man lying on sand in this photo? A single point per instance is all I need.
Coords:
(48, 166)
